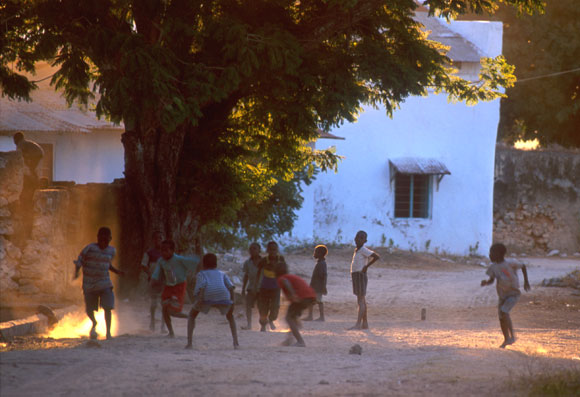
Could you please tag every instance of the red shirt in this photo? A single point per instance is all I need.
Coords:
(300, 287)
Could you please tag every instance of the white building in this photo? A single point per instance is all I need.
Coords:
(77, 146)
(422, 180)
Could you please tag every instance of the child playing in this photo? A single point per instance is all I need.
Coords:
(213, 288)
(250, 274)
(96, 261)
(362, 259)
(174, 268)
(148, 264)
(301, 296)
(507, 287)
(269, 293)
(318, 281)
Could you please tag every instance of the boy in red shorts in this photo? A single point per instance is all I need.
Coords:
(302, 297)
(175, 269)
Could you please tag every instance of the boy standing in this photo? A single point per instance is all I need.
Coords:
(174, 268)
(318, 281)
(96, 261)
(507, 287)
(301, 296)
(213, 288)
(148, 264)
(362, 259)
(250, 274)
(269, 293)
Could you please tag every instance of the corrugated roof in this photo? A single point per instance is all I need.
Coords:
(327, 135)
(462, 50)
(419, 165)
(48, 111)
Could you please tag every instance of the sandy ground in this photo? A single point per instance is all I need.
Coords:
(454, 351)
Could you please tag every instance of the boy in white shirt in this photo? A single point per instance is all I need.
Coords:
(362, 259)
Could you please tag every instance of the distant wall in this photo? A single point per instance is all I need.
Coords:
(537, 200)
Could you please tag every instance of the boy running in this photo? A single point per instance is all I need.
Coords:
(362, 259)
(174, 268)
(301, 296)
(508, 288)
(96, 260)
(213, 288)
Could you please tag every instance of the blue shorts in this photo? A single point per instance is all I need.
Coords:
(506, 304)
(105, 297)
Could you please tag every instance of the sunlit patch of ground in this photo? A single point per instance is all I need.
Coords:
(78, 325)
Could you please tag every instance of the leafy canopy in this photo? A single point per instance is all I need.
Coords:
(243, 86)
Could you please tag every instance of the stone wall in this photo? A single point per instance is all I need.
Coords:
(537, 200)
(36, 262)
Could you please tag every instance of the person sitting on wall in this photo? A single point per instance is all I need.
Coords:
(32, 154)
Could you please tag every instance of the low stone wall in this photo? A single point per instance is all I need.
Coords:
(537, 200)
(36, 261)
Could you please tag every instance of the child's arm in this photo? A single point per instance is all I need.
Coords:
(526, 282)
(374, 257)
(115, 270)
(487, 282)
(244, 283)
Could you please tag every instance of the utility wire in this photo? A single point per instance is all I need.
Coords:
(548, 75)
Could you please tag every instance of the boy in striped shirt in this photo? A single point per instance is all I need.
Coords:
(213, 288)
(96, 260)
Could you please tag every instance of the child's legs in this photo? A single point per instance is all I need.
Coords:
(107, 299)
(191, 325)
(91, 305)
(274, 308)
(233, 329)
(362, 309)
(250, 300)
(294, 311)
(264, 299)
(504, 307)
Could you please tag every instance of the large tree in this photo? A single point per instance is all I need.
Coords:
(219, 98)
(545, 50)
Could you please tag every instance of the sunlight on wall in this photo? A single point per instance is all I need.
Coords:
(530, 144)
(78, 325)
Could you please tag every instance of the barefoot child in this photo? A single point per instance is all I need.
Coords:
(213, 288)
(175, 269)
(362, 259)
(268, 292)
(250, 273)
(96, 261)
(507, 287)
(301, 296)
(318, 281)
(148, 264)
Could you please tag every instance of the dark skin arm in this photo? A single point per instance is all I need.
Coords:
(374, 257)
(487, 282)
(244, 283)
(526, 282)
(116, 271)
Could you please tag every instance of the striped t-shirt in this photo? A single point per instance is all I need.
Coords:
(95, 263)
(217, 286)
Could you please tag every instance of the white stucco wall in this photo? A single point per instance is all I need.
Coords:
(80, 157)
(359, 196)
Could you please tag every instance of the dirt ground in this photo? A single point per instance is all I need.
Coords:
(453, 352)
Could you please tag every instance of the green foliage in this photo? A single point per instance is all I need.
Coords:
(220, 98)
